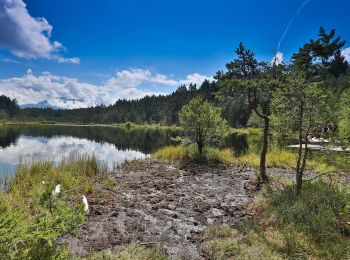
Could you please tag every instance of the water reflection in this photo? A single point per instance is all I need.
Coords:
(110, 145)
(28, 149)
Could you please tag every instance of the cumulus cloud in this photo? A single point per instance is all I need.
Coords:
(66, 92)
(26, 36)
(346, 53)
(195, 78)
(277, 59)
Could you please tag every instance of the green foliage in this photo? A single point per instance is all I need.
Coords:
(296, 96)
(320, 213)
(27, 236)
(312, 226)
(32, 217)
(132, 251)
(255, 121)
(344, 116)
(321, 56)
(8, 107)
(3, 115)
(202, 123)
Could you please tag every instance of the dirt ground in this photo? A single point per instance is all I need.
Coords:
(165, 204)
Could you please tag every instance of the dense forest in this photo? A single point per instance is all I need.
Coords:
(150, 109)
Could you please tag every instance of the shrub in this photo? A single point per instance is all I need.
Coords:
(311, 226)
(32, 218)
(320, 213)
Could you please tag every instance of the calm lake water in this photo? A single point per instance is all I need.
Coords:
(110, 145)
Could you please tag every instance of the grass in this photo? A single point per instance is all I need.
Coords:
(190, 154)
(32, 218)
(275, 157)
(248, 131)
(133, 251)
(313, 226)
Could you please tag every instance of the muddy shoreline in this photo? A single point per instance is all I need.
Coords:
(170, 205)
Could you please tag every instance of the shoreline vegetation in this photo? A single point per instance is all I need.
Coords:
(248, 130)
(127, 125)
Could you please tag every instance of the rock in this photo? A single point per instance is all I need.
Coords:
(217, 212)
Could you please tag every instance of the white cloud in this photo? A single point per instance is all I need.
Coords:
(346, 53)
(26, 36)
(277, 59)
(65, 92)
(195, 78)
(74, 60)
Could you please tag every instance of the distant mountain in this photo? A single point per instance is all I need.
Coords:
(42, 104)
(45, 103)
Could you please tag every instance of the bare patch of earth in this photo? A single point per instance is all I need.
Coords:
(165, 204)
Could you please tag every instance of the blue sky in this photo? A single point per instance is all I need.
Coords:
(128, 48)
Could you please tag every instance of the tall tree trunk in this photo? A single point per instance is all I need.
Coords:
(200, 148)
(263, 175)
(299, 173)
(253, 103)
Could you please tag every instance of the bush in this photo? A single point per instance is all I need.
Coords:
(312, 226)
(32, 218)
(321, 213)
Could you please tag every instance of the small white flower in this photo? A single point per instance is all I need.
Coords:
(86, 205)
(57, 190)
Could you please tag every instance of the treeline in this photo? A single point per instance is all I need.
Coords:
(148, 110)
(8, 107)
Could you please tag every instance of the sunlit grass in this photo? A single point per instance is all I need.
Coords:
(190, 154)
(248, 131)
(275, 157)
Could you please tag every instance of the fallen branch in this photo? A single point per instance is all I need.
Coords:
(244, 166)
(320, 175)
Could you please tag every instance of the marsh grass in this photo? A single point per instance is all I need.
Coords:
(313, 226)
(248, 131)
(275, 157)
(190, 153)
(32, 218)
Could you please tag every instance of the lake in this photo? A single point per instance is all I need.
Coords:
(110, 145)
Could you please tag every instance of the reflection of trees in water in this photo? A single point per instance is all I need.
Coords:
(238, 143)
(242, 143)
(144, 140)
(8, 136)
